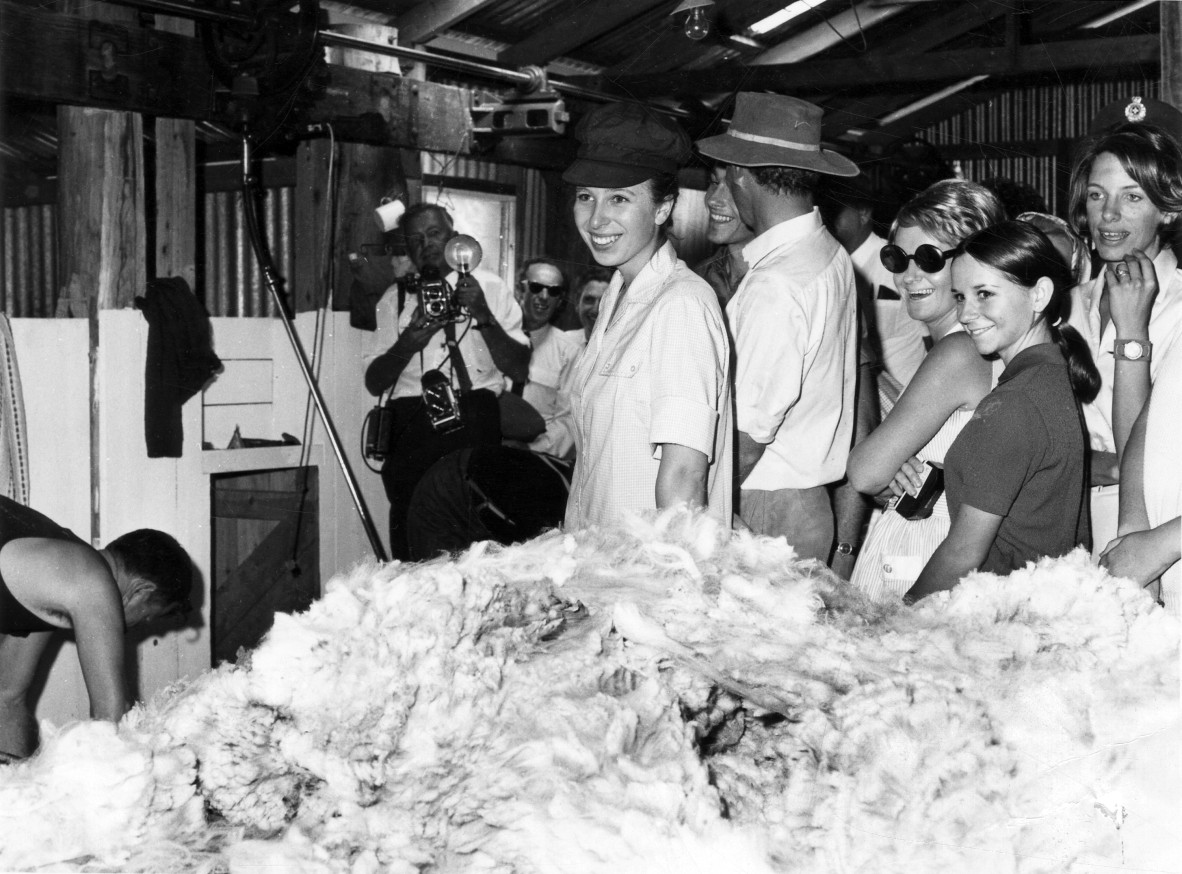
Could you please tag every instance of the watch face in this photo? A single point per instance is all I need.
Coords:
(1132, 350)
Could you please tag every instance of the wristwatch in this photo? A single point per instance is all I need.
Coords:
(844, 548)
(1132, 350)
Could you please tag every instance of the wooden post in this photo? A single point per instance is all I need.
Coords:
(176, 187)
(329, 228)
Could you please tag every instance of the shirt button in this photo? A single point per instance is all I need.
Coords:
(886, 569)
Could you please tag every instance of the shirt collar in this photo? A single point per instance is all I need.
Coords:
(649, 280)
(781, 235)
(1030, 358)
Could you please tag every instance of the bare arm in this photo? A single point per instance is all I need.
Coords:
(681, 477)
(749, 452)
(952, 376)
(1133, 515)
(850, 508)
(384, 370)
(510, 357)
(963, 551)
(1130, 303)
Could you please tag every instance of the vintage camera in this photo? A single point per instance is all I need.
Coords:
(443, 409)
(921, 504)
(437, 299)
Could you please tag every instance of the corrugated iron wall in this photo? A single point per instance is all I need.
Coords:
(30, 261)
(232, 281)
(1030, 115)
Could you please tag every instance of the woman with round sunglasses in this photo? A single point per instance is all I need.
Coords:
(1126, 194)
(650, 394)
(922, 422)
(1016, 473)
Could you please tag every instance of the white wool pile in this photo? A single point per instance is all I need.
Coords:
(663, 697)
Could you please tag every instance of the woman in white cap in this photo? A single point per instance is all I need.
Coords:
(650, 399)
(1126, 194)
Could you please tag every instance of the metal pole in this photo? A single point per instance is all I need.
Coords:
(270, 278)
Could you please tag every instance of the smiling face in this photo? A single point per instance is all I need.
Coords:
(537, 309)
(588, 307)
(621, 226)
(999, 315)
(927, 296)
(725, 226)
(1121, 217)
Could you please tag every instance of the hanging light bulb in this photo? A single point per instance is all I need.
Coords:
(697, 23)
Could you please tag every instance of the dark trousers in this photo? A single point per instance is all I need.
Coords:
(417, 446)
(488, 493)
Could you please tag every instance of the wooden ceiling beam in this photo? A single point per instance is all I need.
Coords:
(585, 23)
(430, 17)
(886, 73)
(145, 70)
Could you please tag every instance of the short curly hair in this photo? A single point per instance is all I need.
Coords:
(950, 210)
(157, 558)
(788, 180)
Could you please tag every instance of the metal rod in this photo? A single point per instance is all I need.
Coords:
(477, 68)
(271, 280)
(181, 9)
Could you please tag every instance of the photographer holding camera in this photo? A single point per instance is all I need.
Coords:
(442, 358)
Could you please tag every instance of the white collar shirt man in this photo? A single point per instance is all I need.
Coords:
(551, 363)
(477, 359)
(794, 324)
(900, 337)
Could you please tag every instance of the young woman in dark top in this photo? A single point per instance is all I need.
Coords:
(1016, 475)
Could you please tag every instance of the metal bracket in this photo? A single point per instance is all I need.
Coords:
(536, 111)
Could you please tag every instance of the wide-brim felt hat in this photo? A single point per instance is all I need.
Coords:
(623, 144)
(773, 130)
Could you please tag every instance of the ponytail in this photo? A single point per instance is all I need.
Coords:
(1085, 378)
(1025, 254)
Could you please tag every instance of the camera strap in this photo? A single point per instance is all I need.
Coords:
(457, 358)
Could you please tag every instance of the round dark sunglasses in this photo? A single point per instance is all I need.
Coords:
(927, 258)
(541, 288)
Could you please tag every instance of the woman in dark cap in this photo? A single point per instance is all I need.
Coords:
(651, 397)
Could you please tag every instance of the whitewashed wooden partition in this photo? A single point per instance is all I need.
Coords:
(262, 390)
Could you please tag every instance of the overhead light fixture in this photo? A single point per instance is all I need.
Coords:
(776, 19)
(697, 25)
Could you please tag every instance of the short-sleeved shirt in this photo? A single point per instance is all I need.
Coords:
(1165, 326)
(16, 523)
(1021, 457)
(551, 366)
(897, 337)
(794, 321)
(655, 371)
(482, 370)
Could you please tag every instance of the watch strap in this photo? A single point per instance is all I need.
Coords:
(1132, 350)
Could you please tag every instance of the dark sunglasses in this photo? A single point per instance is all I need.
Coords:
(541, 288)
(927, 258)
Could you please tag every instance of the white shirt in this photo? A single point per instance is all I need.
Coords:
(1162, 470)
(551, 368)
(656, 374)
(900, 337)
(1165, 326)
(794, 323)
(477, 359)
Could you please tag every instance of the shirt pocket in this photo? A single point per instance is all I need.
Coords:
(624, 366)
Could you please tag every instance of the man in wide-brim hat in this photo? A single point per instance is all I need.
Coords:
(793, 319)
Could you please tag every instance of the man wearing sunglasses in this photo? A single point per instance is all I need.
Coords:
(541, 291)
(792, 319)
